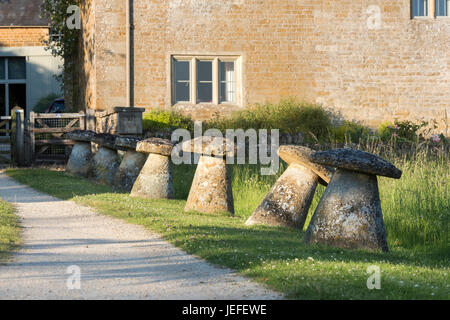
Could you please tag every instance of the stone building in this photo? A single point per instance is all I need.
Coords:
(369, 60)
(27, 70)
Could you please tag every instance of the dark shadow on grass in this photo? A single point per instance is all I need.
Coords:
(283, 243)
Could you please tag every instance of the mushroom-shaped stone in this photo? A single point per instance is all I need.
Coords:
(106, 160)
(80, 161)
(155, 178)
(211, 189)
(131, 164)
(288, 202)
(349, 214)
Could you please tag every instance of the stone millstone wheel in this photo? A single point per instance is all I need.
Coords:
(81, 158)
(155, 178)
(211, 190)
(288, 202)
(106, 160)
(131, 164)
(349, 214)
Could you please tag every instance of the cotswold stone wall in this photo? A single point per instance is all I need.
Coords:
(22, 36)
(367, 60)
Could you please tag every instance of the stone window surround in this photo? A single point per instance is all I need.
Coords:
(215, 57)
(431, 12)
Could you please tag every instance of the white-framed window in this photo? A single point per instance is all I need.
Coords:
(419, 8)
(205, 79)
(442, 8)
(13, 75)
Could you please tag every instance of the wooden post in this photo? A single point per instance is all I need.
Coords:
(32, 136)
(20, 127)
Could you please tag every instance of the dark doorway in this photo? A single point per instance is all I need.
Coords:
(2, 100)
(18, 96)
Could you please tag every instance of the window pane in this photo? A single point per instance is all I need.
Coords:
(16, 68)
(204, 70)
(419, 8)
(442, 7)
(181, 84)
(181, 70)
(204, 92)
(227, 81)
(2, 69)
(204, 81)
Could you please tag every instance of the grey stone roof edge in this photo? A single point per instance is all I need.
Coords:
(21, 13)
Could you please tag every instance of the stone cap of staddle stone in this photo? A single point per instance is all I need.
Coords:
(129, 143)
(106, 140)
(356, 160)
(211, 146)
(80, 135)
(302, 155)
(155, 145)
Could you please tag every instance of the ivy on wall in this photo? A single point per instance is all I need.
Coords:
(63, 38)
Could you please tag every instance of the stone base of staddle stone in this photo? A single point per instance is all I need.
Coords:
(106, 163)
(155, 179)
(349, 214)
(211, 189)
(81, 160)
(129, 170)
(288, 202)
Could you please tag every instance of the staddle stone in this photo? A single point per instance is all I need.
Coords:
(349, 214)
(357, 160)
(211, 190)
(106, 160)
(81, 158)
(287, 203)
(80, 135)
(155, 178)
(131, 164)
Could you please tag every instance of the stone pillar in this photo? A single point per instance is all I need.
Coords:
(287, 203)
(349, 214)
(81, 158)
(211, 189)
(120, 120)
(155, 178)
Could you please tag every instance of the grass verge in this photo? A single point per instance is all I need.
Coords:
(415, 268)
(9, 231)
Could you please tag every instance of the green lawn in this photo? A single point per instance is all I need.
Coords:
(9, 231)
(416, 210)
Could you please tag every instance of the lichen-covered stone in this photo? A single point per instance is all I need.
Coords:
(155, 179)
(288, 202)
(129, 170)
(80, 135)
(81, 160)
(302, 155)
(106, 164)
(156, 146)
(210, 146)
(358, 161)
(129, 143)
(211, 189)
(349, 214)
(106, 140)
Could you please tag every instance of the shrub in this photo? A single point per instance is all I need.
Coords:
(45, 102)
(349, 131)
(158, 120)
(289, 116)
(405, 131)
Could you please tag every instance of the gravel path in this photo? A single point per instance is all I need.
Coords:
(117, 260)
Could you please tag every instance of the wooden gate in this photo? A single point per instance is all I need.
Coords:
(5, 140)
(45, 135)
